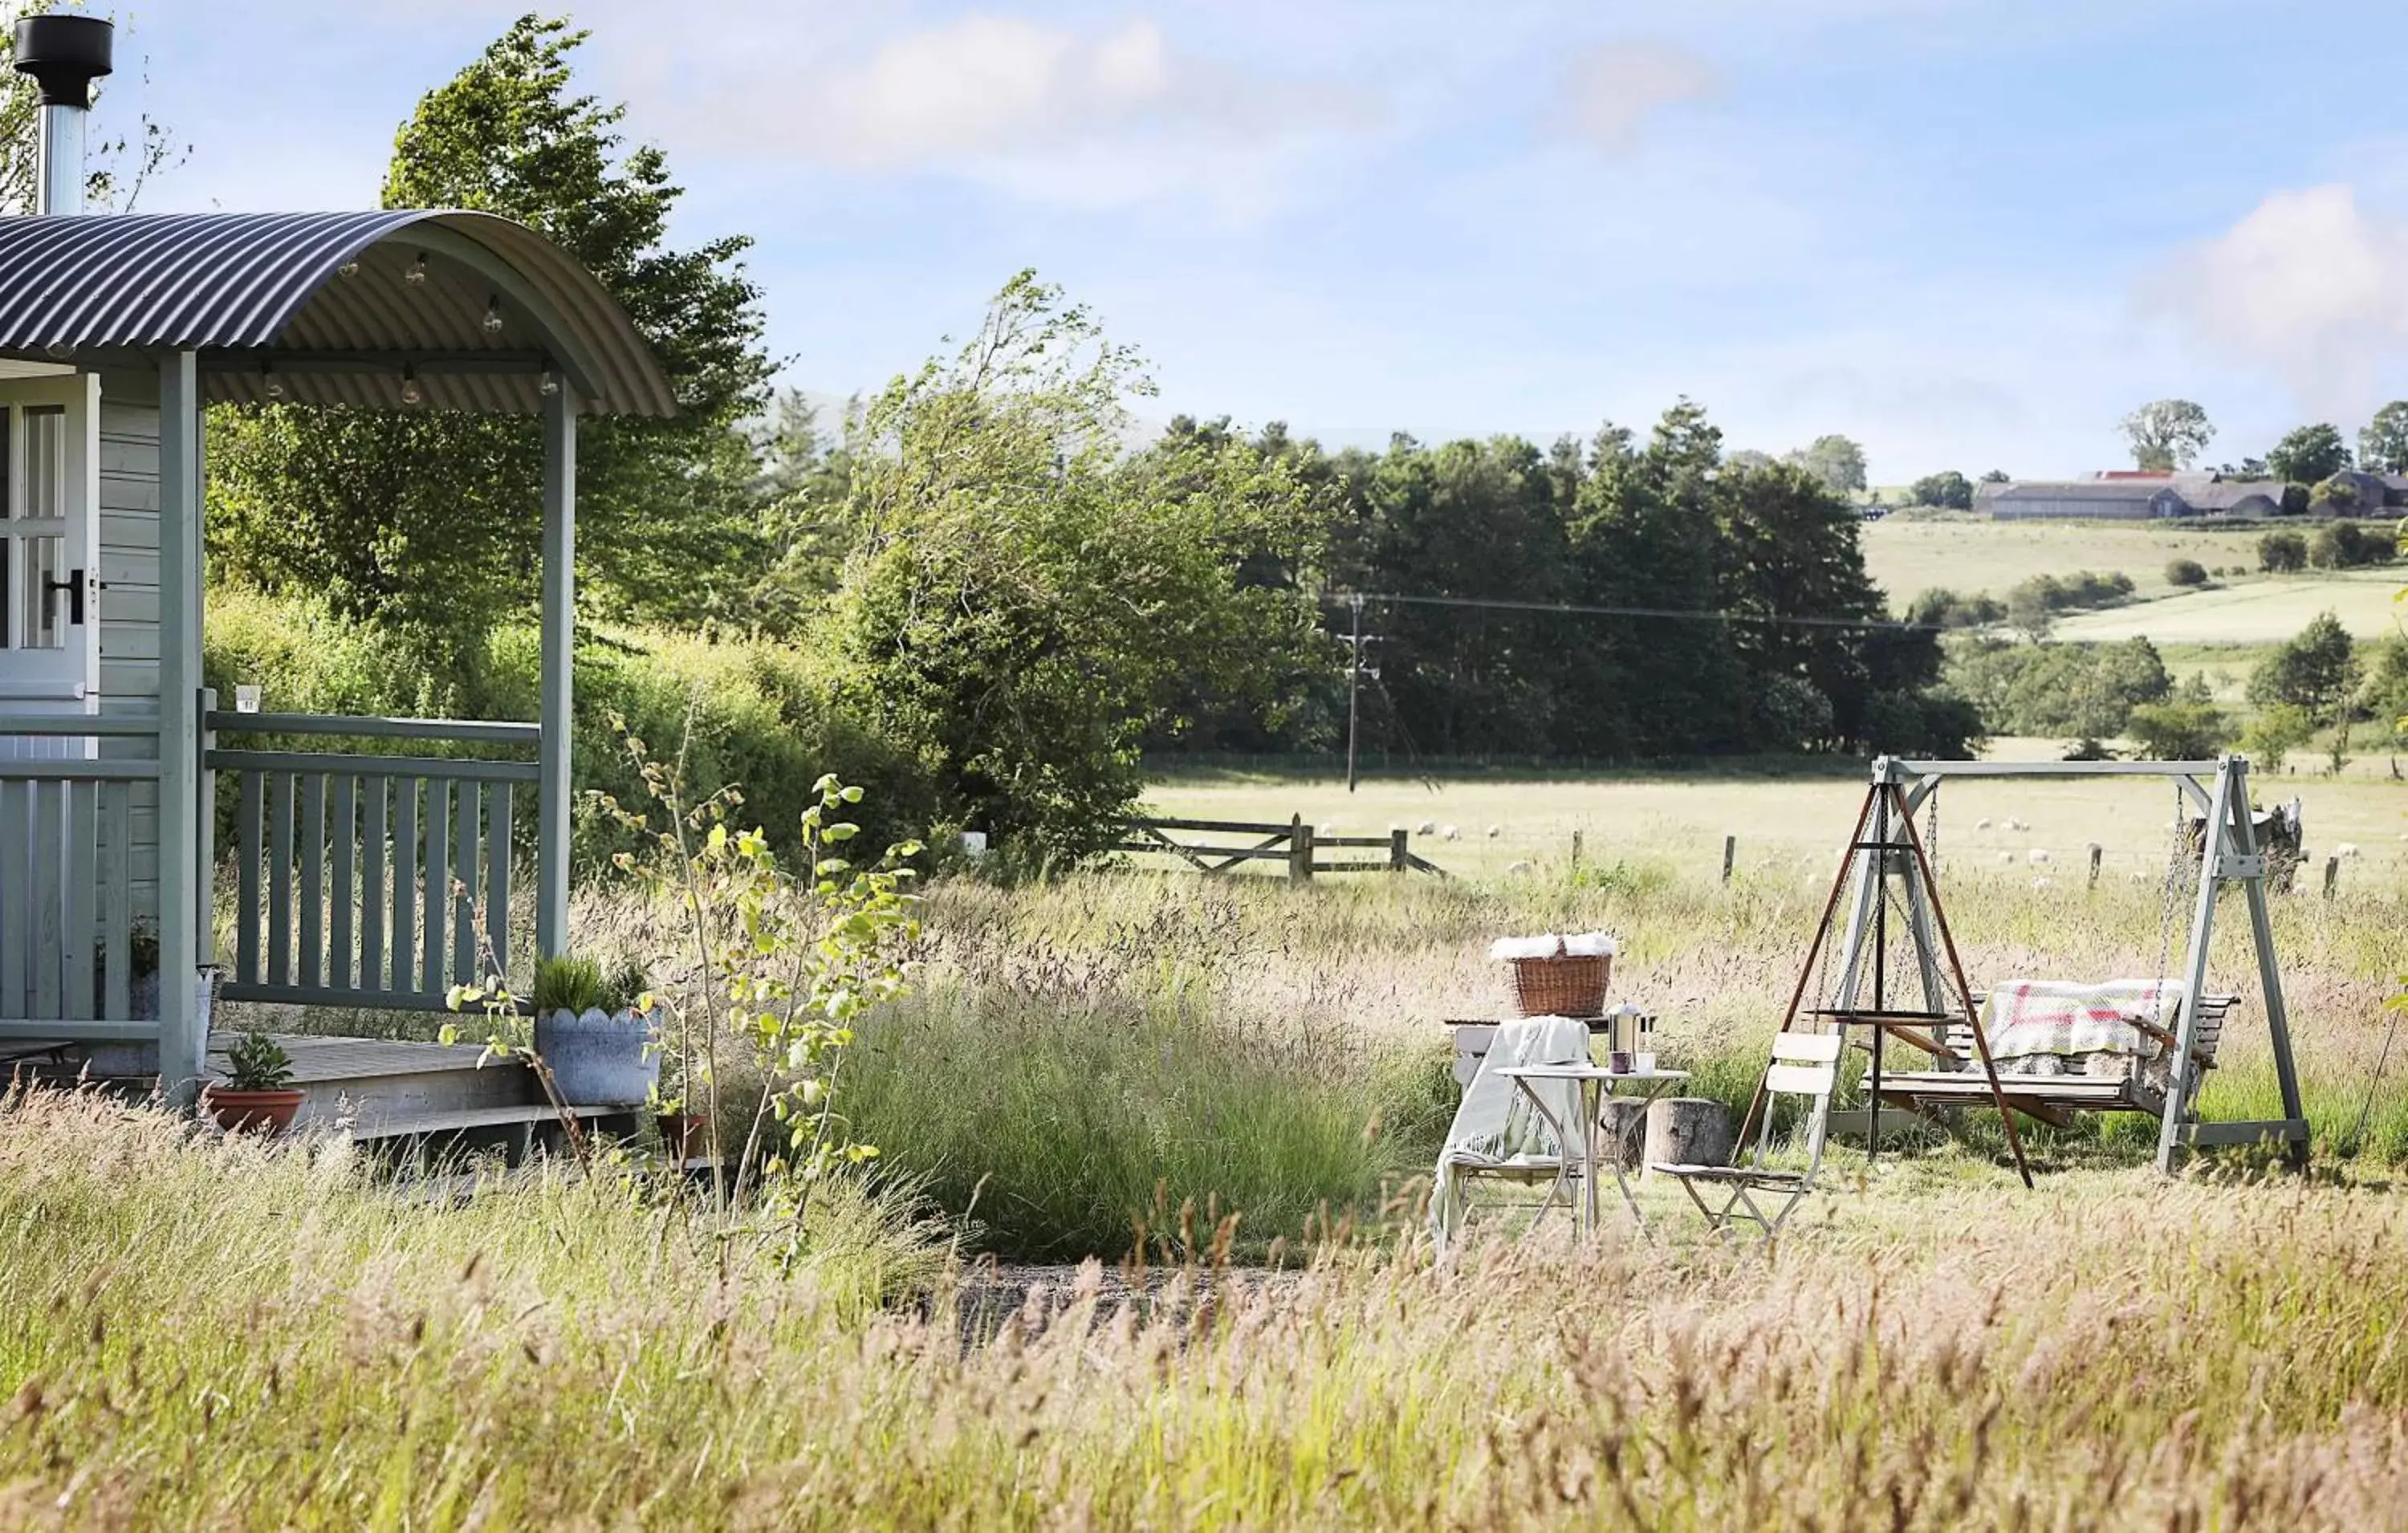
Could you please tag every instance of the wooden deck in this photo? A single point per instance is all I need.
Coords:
(317, 1059)
(378, 1089)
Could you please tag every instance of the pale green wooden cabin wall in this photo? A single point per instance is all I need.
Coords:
(129, 595)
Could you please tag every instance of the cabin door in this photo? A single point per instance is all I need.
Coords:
(49, 543)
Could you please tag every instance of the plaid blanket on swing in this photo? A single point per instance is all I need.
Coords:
(2057, 1028)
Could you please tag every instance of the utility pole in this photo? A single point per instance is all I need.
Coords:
(1354, 689)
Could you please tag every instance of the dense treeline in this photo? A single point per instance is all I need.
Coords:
(1750, 623)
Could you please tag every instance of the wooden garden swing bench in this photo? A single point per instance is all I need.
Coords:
(1958, 1082)
(1890, 868)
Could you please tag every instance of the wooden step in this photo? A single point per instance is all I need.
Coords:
(425, 1124)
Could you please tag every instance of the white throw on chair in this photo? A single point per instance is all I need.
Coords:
(1495, 1132)
(1803, 1065)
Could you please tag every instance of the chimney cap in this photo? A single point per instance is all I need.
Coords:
(65, 54)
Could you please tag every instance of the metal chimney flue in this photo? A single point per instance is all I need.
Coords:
(63, 54)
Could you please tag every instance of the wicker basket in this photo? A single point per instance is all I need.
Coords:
(1571, 985)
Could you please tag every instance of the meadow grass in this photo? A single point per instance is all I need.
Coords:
(1077, 1056)
(205, 1333)
(243, 1336)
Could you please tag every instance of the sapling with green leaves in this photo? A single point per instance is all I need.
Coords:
(784, 960)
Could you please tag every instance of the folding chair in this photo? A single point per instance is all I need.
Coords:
(1803, 1065)
(1495, 1134)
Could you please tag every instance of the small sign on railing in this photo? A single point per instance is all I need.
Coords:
(245, 699)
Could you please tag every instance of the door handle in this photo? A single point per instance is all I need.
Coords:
(73, 586)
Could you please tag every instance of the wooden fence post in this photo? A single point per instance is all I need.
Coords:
(1299, 850)
(1401, 857)
(2097, 852)
(1730, 855)
(1576, 849)
(2332, 876)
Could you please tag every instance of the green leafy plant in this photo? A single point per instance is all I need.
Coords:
(258, 1063)
(784, 960)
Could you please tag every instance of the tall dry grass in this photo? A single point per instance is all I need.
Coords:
(247, 1336)
(1075, 1048)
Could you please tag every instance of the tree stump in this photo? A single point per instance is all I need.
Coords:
(1688, 1131)
(1622, 1132)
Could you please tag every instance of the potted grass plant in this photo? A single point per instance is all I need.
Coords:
(257, 1093)
(596, 1031)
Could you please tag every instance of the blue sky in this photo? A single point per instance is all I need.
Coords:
(1970, 233)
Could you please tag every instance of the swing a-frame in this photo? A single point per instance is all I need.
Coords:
(1887, 887)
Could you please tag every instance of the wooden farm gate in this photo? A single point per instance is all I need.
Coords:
(1295, 843)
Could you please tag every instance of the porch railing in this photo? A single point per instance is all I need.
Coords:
(71, 882)
(368, 880)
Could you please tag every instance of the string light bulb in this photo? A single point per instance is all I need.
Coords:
(349, 268)
(549, 387)
(416, 275)
(493, 320)
(411, 392)
(269, 384)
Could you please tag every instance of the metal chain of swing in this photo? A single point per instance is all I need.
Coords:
(2180, 879)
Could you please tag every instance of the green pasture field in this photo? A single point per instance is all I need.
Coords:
(1972, 554)
(2259, 611)
(1787, 823)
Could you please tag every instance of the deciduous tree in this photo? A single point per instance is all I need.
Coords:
(2309, 454)
(2383, 445)
(1021, 600)
(2316, 671)
(2167, 434)
(427, 519)
(1837, 460)
(1948, 489)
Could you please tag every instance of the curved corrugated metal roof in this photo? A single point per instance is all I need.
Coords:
(325, 308)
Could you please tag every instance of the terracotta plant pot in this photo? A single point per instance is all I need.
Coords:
(256, 1111)
(684, 1135)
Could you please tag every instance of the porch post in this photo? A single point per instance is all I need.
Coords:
(559, 662)
(183, 1040)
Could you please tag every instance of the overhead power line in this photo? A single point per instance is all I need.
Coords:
(1770, 620)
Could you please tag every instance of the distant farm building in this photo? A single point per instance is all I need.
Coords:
(2130, 495)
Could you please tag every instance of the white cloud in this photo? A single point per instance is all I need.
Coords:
(1609, 93)
(1109, 114)
(2309, 284)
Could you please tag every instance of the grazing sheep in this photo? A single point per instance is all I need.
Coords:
(1448, 833)
(2036, 856)
(1981, 824)
(2040, 883)
(2014, 824)
(2346, 849)
(2007, 858)
(1517, 867)
(1495, 831)
(1426, 828)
